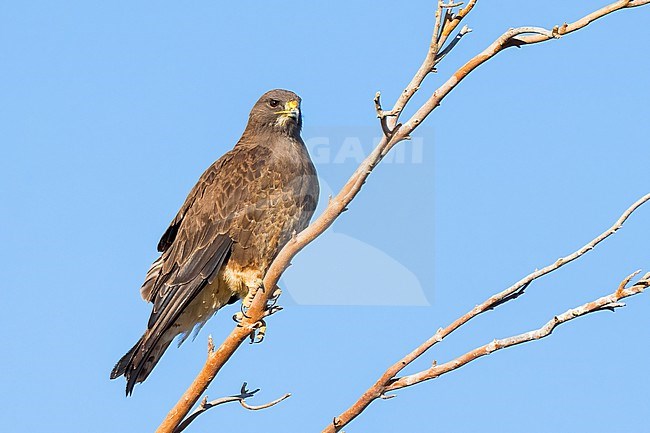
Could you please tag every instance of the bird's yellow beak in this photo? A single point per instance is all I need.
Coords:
(291, 109)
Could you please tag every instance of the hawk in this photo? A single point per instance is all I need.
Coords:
(243, 210)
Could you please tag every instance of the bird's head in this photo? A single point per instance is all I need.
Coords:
(278, 110)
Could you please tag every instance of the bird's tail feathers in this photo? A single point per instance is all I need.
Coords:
(138, 362)
(123, 364)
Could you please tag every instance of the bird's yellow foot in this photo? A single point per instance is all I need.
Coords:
(238, 317)
(250, 296)
(259, 331)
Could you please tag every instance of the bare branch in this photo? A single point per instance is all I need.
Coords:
(456, 19)
(266, 405)
(436, 26)
(452, 44)
(387, 380)
(382, 115)
(565, 29)
(513, 37)
(441, 32)
(210, 344)
(241, 398)
(609, 302)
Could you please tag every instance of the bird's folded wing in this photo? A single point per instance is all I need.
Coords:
(200, 238)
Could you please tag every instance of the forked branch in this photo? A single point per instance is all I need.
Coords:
(609, 302)
(389, 380)
(244, 393)
(513, 37)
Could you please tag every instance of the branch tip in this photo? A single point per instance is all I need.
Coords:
(210, 344)
(244, 393)
(266, 405)
(625, 282)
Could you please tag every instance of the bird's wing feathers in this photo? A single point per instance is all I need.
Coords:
(207, 225)
(205, 181)
(156, 275)
(186, 282)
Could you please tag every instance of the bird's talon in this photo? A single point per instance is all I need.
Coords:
(242, 310)
(274, 298)
(258, 338)
(258, 325)
(258, 333)
(273, 310)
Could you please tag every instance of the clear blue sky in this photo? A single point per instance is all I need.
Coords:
(110, 111)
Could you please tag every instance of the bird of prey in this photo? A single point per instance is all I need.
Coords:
(243, 210)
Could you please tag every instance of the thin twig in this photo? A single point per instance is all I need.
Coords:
(610, 303)
(241, 398)
(436, 26)
(265, 405)
(514, 37)
(583, 22)
(382, 115)
(429, 62)
(441, 55)
(455, 21)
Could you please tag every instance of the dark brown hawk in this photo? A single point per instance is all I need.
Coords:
(242, 211)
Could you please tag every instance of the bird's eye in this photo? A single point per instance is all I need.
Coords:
(274, 103)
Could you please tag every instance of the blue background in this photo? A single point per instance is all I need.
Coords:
(110, 111)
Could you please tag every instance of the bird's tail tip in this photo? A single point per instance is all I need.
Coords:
(138, 362)
(124, 365)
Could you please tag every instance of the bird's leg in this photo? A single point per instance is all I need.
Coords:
(247, 301)
(259, 328)
(252, 291)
